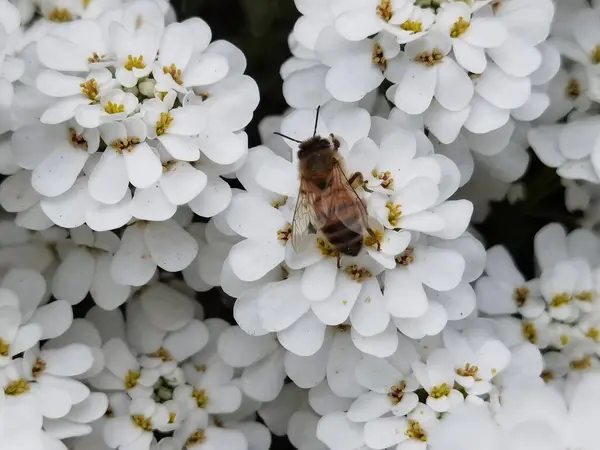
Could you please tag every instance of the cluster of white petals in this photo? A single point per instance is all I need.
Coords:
(128, 191)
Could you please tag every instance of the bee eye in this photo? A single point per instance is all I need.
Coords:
(323, 185)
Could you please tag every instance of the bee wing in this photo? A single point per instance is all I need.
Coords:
(340, 183)
(304, 220)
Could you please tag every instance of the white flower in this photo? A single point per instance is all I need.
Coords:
(430, 73)
(146, 245)
(18, 196)
(196, 431)
(503, 290)
(11, 68)
(127, 158)
(476, 366)
(134, 430)
(123, 372)
(181, 62)
(437, 378)
(470, 35)
(561, 284)
(86, 269)
(77, 94)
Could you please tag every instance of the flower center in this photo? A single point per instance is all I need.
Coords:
(496, 6)
(163, 390)
(442, 390)
(560, 300)
(17, 387)
(95, 58)
(38, 368)
(196, 438)
(201, 368)
(469, 371)
(114, 108)
(172, 417)
(384, 10)
(529, 332)
(373, 241)
(585, 296)
(90, 89)
(397, 392)
(163, 124)
(573, 89)
(201, 398)
(131, 379)
(414, 26)
(174, 72)
(60, 15)
(86, 3)
(4, 348)
(406, 258)
(595, 55)
(121, 145)
(395, 211)
(564, 339)
(326, 248)
(520, 296)
(593, 334)
(431, 58)
(387, 181)
(343, 328)
(142, 422)
(358, 274)
(109, 413)
(415, 431)
(432, 4)
(582, 364)
(459, 28)
(547, 376)
(279, 203)
(162, 353)
(285, 234)
(168, 165)
(378, 58)
(77, 140)
(136, 62)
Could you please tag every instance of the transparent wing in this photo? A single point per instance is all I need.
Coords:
(345, 198)
(304, 221)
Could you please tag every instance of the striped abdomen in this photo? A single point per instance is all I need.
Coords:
(345, 240)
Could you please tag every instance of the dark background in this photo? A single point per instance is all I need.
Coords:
(260, 29)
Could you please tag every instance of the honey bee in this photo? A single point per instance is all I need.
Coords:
(327, 202)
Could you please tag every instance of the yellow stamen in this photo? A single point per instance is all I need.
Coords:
(17, 387)
(564, 339)
(128, 144)
(529, 332)
(595, 56)
(172, 417)
(430, 59)
(95, 58)
(560, 300)
(585, 296)
(136, 62)
(114, 108)
(197, 438)
(142, 422)
(285, 234)
(397, 392)
(384, 10)
(547, 376)
(406, 258)
(593, 334)
(77, 140)
(358, 274)
(582, 364)
(415, 431)
(520, 296)
(373, 241)
(326, 248)
(378, 57)
(163, 124)
(60, 15)
(90, 89)
(38, 367)
(131, 379)
(201, 397)
(343, 328)
(4, 348)
(279, 203)
(395, 211)
(162, 353)
(443, 390)
(469, 371)
(174, 72)
(459, 28)
(573, 89)
(387, 181)
(414, 26)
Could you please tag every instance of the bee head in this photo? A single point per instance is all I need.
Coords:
(316, 154)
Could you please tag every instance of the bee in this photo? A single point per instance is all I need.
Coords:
(327, 202)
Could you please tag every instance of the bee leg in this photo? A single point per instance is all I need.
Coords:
(339, 260)
(356, 180)
(335, 141)
(374, 236)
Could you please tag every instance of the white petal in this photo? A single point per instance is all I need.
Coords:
(403, 294)
(337, 432)
(386, 432)
(166, 308)
(73, 278)
(171, 247)
(143, 166)
(305, 337)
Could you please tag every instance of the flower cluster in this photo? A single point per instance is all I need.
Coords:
(129, 191)
(557, 312)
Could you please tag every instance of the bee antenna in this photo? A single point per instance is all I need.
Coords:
(287, 137)
(316, 120)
